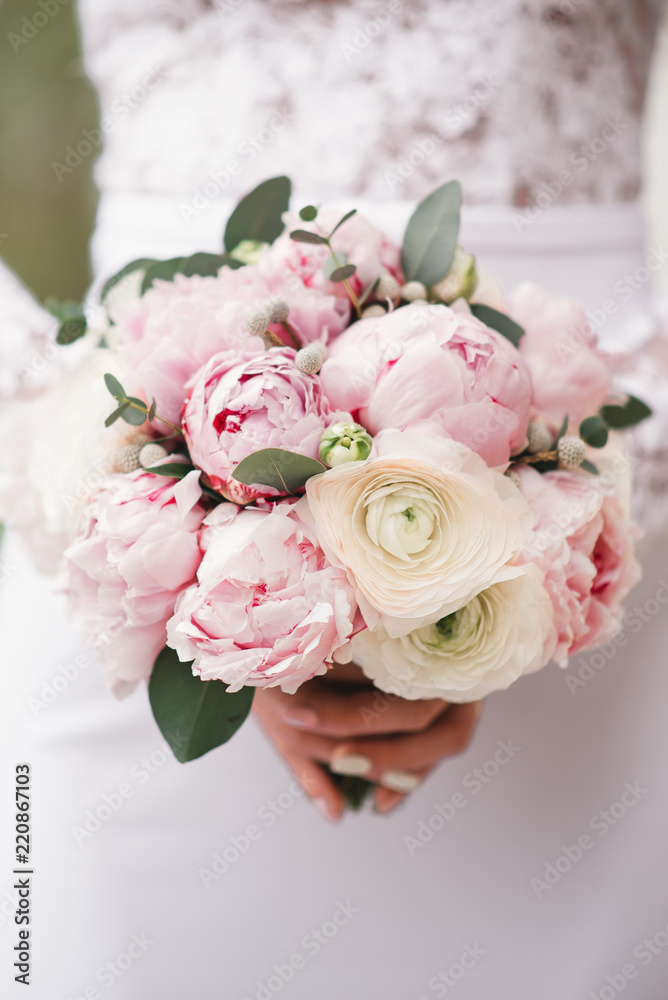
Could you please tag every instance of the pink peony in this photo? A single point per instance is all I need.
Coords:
(268, 608)
(138, 550)
(432, 362)
(241, 402)
(583, 543)
(364, 245)
(168, 334)
(568, 372)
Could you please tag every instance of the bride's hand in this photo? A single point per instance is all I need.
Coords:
(335, 720)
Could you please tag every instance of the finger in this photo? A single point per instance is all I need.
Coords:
(386, 800)
(416, 752)
(320, 708)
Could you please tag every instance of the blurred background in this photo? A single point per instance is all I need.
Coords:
(46, 102)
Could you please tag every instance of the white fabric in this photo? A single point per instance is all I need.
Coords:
(573, 749)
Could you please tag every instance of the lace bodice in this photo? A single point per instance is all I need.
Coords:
(380, 99)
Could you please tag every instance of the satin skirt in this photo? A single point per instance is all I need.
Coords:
(533, 865)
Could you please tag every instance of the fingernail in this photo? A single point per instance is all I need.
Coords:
(351, 763)
(399, 781)
(389, 803)
(325, 810)
(304, 718)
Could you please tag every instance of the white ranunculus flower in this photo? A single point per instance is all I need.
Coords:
(504, 632)
(421, 527)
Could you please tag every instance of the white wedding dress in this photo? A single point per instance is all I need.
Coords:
(533, 866)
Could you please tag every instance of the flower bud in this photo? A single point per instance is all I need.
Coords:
(388, 287)
(571, 451)
(277, 310)
(343, 443)
(373, 310)
(152, 454)
(126, 458)
(539, 437)
(256, 322)
(311, 358)
(460, 281)
(248, 251)
(413, 291)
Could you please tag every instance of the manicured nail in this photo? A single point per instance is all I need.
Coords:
(325, 810)
(399, 781)
(389, 802)
(351, 763)
(304, 718)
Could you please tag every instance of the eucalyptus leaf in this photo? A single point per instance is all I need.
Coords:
(174, 470)
(114, 386)
(498, 321)
(632, 412)
(331, 265)
(304, 236)
(308, 213)
(206, 264)
(71, 330)
(345, 218)
(136, 265)
(342, 273)
(163, 270)
(151, 411)
(594, 431)
(283, 470)
(193, 715)
(113, 417)
(431, 235)
(259, 216)
(589, 467)
(134, 416)
(369, 290)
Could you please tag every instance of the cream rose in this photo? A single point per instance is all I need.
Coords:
(504, 632)
(420, 528)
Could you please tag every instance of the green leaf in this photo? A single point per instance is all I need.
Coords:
(174, 470)
(114, 386)
(589, 466)
(163, 270)
(594, 431)
(258, 216)
(308, 213)
(330, 265)
(431, 235)
(71, 330)
(632, 412)
(134, 416)
(193, 715)
(151, 411)
(283, 470)
(113, 417)
(231, 262)
(498, 321)
(369, 290)
(304, 236)
(345, 218)
(140, 264)
(206, 264)
(342, 273)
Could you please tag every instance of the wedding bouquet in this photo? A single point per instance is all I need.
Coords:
(327, 448)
